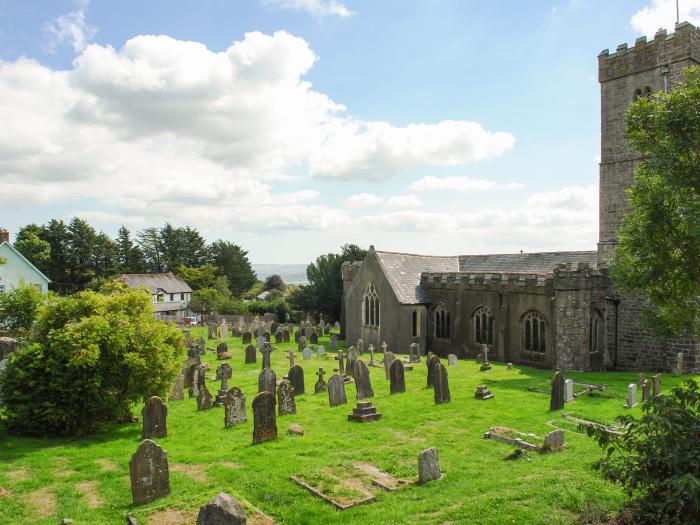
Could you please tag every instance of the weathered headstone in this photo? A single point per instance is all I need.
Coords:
(336, 391)
(314, 338)
(223, 330)
(451, 360)
(360, 346)
(554, 440)
(362, 381)
(334, 343)
(308, 353)
(260, 341)
(320, 351)
(222, 510)
(646, 390)
(441, 385)
(297, 336)
(247, 338)
(657, 385)
(234, 407)
(352, 355)
(568, 390)
(337, 326)
(680, 366)
(396, 377)
(279, 338)
(221, 349)
(285, 336)
(266, 350)
(428, 466)
(223, 373)
(389, 358)
(177, 391)
(432, 362)
(414, 353)
(320, 385)
(211, 331)
(556, 399)
(264, 421)
(267, 381)
(296, 377)
(250, 356)
(370, 348)
(631, 395)
(301, 344)
(198, 379)
(285, 398)
(204, 399)
(148, 468)
(154, 416)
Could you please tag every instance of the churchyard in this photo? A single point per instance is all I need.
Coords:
(332, 459)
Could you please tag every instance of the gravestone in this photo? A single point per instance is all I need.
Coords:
(267, 381)
(204, 399)
(486, 365)
(327, 329)
(370, 348)
(556, 399)
(509, 366)
(442, 387)
(451, 360)
(337, 326)
(352, 356)
(234, 407)
(285, 398)
(336, 391)
(250, 356)
(221, 348)
(264, 421)
(222, 510)
(397, 385)
(223, 330)
(292, 356)
(279, 338)
(483, 393)
(308, 353)
(177, 391)
(297, 336)
(308, 331)
(364, 412)
(266, 350)
(320, 351)
(296, 377)
(641, 379)
(154, 416)
(568, 390)
(341, 363)
(302, 344)
(362, 381)
(194, 355)
(554, 440)
(260, 342)
(314, 338)
(223, 373)
(334, 343)
(389, 358)
(432, 362)
(198, 379)
(414, 353)
(657, 384)
(631, 396)
(148, 469)
(679, 364)
(646, 390)
(285, 335)
(360, 346)
(247, 338)
(211, 331)
(189, 378)
(320, 385)
(428, 466)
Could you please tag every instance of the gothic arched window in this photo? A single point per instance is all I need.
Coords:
(442, 322)
(597, 327)
(534, 332)
(371, 306)
(482, 320)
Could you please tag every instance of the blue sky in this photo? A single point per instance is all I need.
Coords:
(294, 126)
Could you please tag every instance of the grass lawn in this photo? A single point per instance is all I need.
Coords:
(87, 480)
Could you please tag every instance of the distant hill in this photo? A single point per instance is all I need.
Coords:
(290, 273)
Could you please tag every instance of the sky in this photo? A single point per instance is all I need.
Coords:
(291, 127)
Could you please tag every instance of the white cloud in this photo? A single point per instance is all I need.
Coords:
(431, 183)
(314, 7)
(167, 129)
(71, 28)
(362, 200)
(661, 14)
(403, 201)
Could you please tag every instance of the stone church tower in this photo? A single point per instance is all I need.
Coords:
(629, 73)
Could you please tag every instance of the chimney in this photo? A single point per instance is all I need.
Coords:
(4, 235)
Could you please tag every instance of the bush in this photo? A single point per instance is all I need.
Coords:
(657, 461)
(18, 308)
(92, 355)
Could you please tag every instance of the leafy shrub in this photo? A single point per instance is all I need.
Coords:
(19, 307)
(91, 356)
(657, 461)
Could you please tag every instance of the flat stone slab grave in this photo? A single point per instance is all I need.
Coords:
(381, 479)
(351, 494)
(521, 439)
(610, 429)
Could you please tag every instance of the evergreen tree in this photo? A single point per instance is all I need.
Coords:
(152, 249)
(56, 234)
(194, 248)
(129, 256)
(232, 262)
(82, 245)
(30, 244)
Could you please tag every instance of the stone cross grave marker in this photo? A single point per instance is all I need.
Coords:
(486, 365)
(154, 416)
(223, 373)
(296, 378)
(264, 421)
(234, 407)
(250, 356)
(556, 400)
(285, 398)
(341, 363)
(396, 377)
(362, 381)
(428, 466)
(568, 390)
(631, 396)
(336, 391)
(266, 350)
(441, 385)
(148, 469)
(292, 358)
(320, 384)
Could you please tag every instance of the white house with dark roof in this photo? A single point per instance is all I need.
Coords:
(170, 294)
(17, 269)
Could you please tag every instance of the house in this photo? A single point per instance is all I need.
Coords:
(17, 269)
(171, 295)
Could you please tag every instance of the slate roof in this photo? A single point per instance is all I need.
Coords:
(403, 271)
(168, 282)
(534, 263)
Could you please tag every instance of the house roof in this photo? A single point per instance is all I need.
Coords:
(403, 271)
(168, 282)
(23, 258)
(537, 263)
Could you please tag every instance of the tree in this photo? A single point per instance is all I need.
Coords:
(56, 234)
(232, 262)
(152, 249)
(19, 307)
(82, 247)
(204, 276)
(275, 282)
(92, 355)
(30, 244)
(324, 292)
(129, 256)
(657, 458)
(659, 240)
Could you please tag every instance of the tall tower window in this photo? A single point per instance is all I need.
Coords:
(534, 332)
(482, 320)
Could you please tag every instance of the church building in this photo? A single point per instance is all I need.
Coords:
(557, 309)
